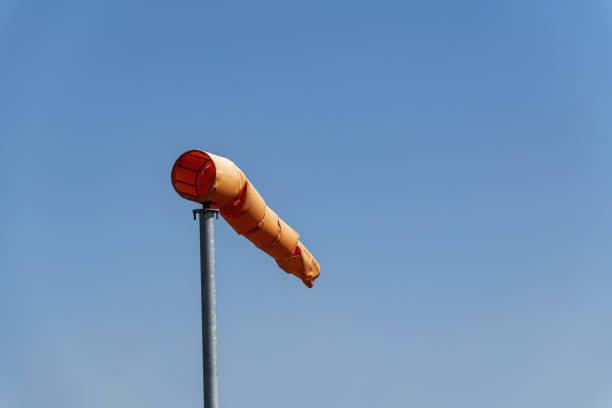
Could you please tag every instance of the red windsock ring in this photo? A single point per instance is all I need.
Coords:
(206, 178)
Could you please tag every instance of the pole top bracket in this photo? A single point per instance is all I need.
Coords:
(205, 210)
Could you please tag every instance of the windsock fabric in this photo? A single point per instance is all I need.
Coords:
(206, 178)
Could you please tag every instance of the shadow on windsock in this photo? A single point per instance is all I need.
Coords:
(206, 178)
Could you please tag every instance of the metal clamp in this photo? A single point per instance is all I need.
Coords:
(204, 211)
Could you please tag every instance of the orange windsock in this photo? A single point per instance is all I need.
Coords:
(206, 178)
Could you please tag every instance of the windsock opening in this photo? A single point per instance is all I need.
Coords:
(193, 175)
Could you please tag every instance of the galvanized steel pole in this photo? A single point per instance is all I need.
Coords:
(209, 315)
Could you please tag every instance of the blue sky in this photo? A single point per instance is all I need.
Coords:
(446, 162)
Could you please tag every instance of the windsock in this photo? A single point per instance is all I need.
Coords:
(206, 178)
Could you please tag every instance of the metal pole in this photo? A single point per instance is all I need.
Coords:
(209, 315)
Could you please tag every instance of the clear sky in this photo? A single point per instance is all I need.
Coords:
(448, 163)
